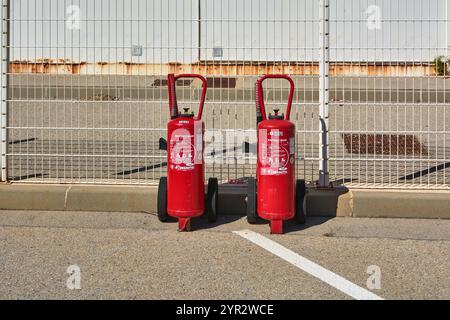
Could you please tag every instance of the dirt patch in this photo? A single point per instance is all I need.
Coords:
(103, 97)
(383, 144)
(180, 83)
(222, 83)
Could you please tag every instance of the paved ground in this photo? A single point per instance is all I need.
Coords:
(135, 256)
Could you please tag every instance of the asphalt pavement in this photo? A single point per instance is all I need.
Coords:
(134, 256)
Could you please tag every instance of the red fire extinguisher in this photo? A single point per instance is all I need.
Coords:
(181, 194)
(275, 195)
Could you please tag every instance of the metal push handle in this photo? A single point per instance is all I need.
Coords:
(173, 104)
(260, 94)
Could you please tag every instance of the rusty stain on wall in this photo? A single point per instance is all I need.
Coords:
(64, 67)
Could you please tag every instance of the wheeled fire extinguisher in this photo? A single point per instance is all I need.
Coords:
(275, 195)
(181, 194)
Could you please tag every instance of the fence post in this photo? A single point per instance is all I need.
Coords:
(324, 77)
(4, 87)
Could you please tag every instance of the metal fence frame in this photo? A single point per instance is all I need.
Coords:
(323, 156)
(324, 91)
(4, 87)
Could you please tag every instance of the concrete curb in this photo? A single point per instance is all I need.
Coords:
(78, 198)
(341, 202)
(399, 204)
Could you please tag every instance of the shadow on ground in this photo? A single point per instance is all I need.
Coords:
(321, 205)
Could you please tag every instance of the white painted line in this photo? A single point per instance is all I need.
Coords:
(308, 266)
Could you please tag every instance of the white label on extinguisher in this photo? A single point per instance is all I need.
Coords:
(275, 156)
(182, 152)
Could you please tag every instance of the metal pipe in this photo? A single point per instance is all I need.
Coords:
(4, 87)
(324, 97)
(199, 31)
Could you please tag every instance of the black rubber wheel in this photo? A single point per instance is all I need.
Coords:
(162, 200)
(212, 200)
(300, 205)
(252, 215)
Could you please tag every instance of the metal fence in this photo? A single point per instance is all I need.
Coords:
(84, 92)
(389, 124)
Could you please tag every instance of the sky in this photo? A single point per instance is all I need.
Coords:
(244, 30)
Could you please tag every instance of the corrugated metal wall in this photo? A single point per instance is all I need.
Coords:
(250, 30)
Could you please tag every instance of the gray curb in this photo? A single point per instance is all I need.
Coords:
(374, 203)
(399, 204)
(78, 198)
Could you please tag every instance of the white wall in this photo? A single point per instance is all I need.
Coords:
(262, 30)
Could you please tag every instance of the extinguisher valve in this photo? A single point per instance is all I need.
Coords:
(276, 114)
(187, 113)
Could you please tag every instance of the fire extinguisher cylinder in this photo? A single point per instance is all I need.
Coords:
(185, 162)
(276, 177)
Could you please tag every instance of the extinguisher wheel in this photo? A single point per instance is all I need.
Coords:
(252, 215)
(162, 200)
(212, 197)
(300, 210)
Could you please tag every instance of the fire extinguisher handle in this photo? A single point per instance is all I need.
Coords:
(204, 88)
(260, 93)
(172, 95)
